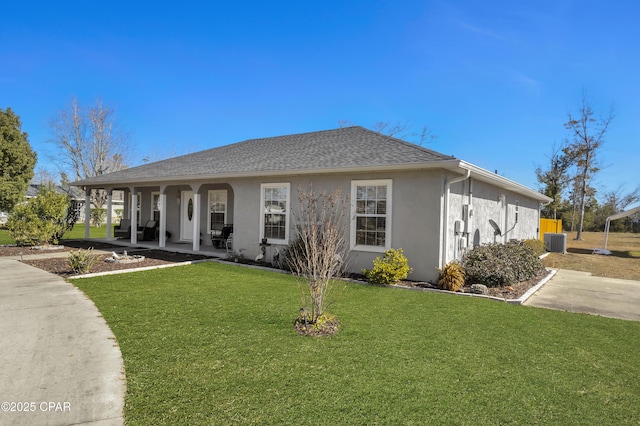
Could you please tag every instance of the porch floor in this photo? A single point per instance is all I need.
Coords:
(177, 247)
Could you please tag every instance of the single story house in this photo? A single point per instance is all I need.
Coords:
(434, 206)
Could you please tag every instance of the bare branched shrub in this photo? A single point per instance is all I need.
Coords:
(318, 253)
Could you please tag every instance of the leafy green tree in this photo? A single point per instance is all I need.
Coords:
(554, 181)
(17, 160)
(42, 219)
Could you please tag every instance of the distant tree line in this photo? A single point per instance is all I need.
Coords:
(568, 178)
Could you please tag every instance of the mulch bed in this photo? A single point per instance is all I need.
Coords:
(60, 266)
(509, 292)
(514, 291)
(18, 250)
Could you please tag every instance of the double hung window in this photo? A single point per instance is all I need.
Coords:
(371, 215)
(274, 217)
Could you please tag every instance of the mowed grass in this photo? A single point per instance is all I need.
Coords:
(77, 233)
(624, 262)
(214, 344)
(5, 237)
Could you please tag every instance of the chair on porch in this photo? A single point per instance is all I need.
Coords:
(220, 237)
(148, 231)
(123, 230)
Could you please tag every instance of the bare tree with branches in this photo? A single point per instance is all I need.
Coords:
(587, 136)
(90, 143)
(318, 254)
(404, 130)
(401, 129)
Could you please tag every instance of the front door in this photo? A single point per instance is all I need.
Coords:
(186, 216)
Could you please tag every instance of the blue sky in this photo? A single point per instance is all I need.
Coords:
(494, 81)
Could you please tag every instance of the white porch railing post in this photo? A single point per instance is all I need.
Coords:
(162, 237)
(87, 213)
(109, 214)
(196, 220)
(134, 216)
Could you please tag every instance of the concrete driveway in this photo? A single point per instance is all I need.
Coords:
(581, 292)
(60, 362)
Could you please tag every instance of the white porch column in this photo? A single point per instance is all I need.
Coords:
(196, 219)
(87, 213)
(109, 215)
(162, 237)
(134, 216)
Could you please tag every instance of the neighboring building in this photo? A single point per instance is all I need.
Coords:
(432, 205)
(78, 198)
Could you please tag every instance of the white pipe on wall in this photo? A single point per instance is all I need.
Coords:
(444, 250)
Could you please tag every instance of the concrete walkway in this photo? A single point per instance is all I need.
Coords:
(60, 362)
(581, 292)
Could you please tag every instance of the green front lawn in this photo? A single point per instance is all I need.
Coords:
(77, 233)
(5, 237)
(214, 344)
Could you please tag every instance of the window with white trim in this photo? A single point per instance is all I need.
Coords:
(155, 206)
(217, 210)
(371, 215)
(274, 217)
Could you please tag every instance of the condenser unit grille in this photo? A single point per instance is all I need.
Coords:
(555, 243)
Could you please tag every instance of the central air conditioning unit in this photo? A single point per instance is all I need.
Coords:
(555, 243)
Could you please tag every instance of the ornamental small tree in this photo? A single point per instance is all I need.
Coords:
(317, 255)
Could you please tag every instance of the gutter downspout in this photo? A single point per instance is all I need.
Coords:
(444, 252)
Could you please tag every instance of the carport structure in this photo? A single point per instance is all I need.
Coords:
(621, 215)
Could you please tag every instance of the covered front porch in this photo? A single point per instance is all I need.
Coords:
(172, 247)
(178, 217)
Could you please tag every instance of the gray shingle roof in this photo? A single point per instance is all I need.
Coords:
(77, 194)
(344, 148)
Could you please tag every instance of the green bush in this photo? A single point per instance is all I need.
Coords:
(390, 269)
(451, 277)
(41, 220)
(536, 245)
(81, 261)
(98, 216)
(498, 265)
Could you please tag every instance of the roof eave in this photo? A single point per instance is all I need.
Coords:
(502, 182)
(294, 172)
(449, 164)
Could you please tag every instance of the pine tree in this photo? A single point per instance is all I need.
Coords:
(17, 160)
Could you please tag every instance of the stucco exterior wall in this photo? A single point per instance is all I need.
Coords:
(488, 202)
(415, 215)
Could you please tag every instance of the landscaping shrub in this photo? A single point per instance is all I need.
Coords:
(451, 277)
(40, 220)
(498, 265)
(81, 261)
(390, 269)
(536, 245)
